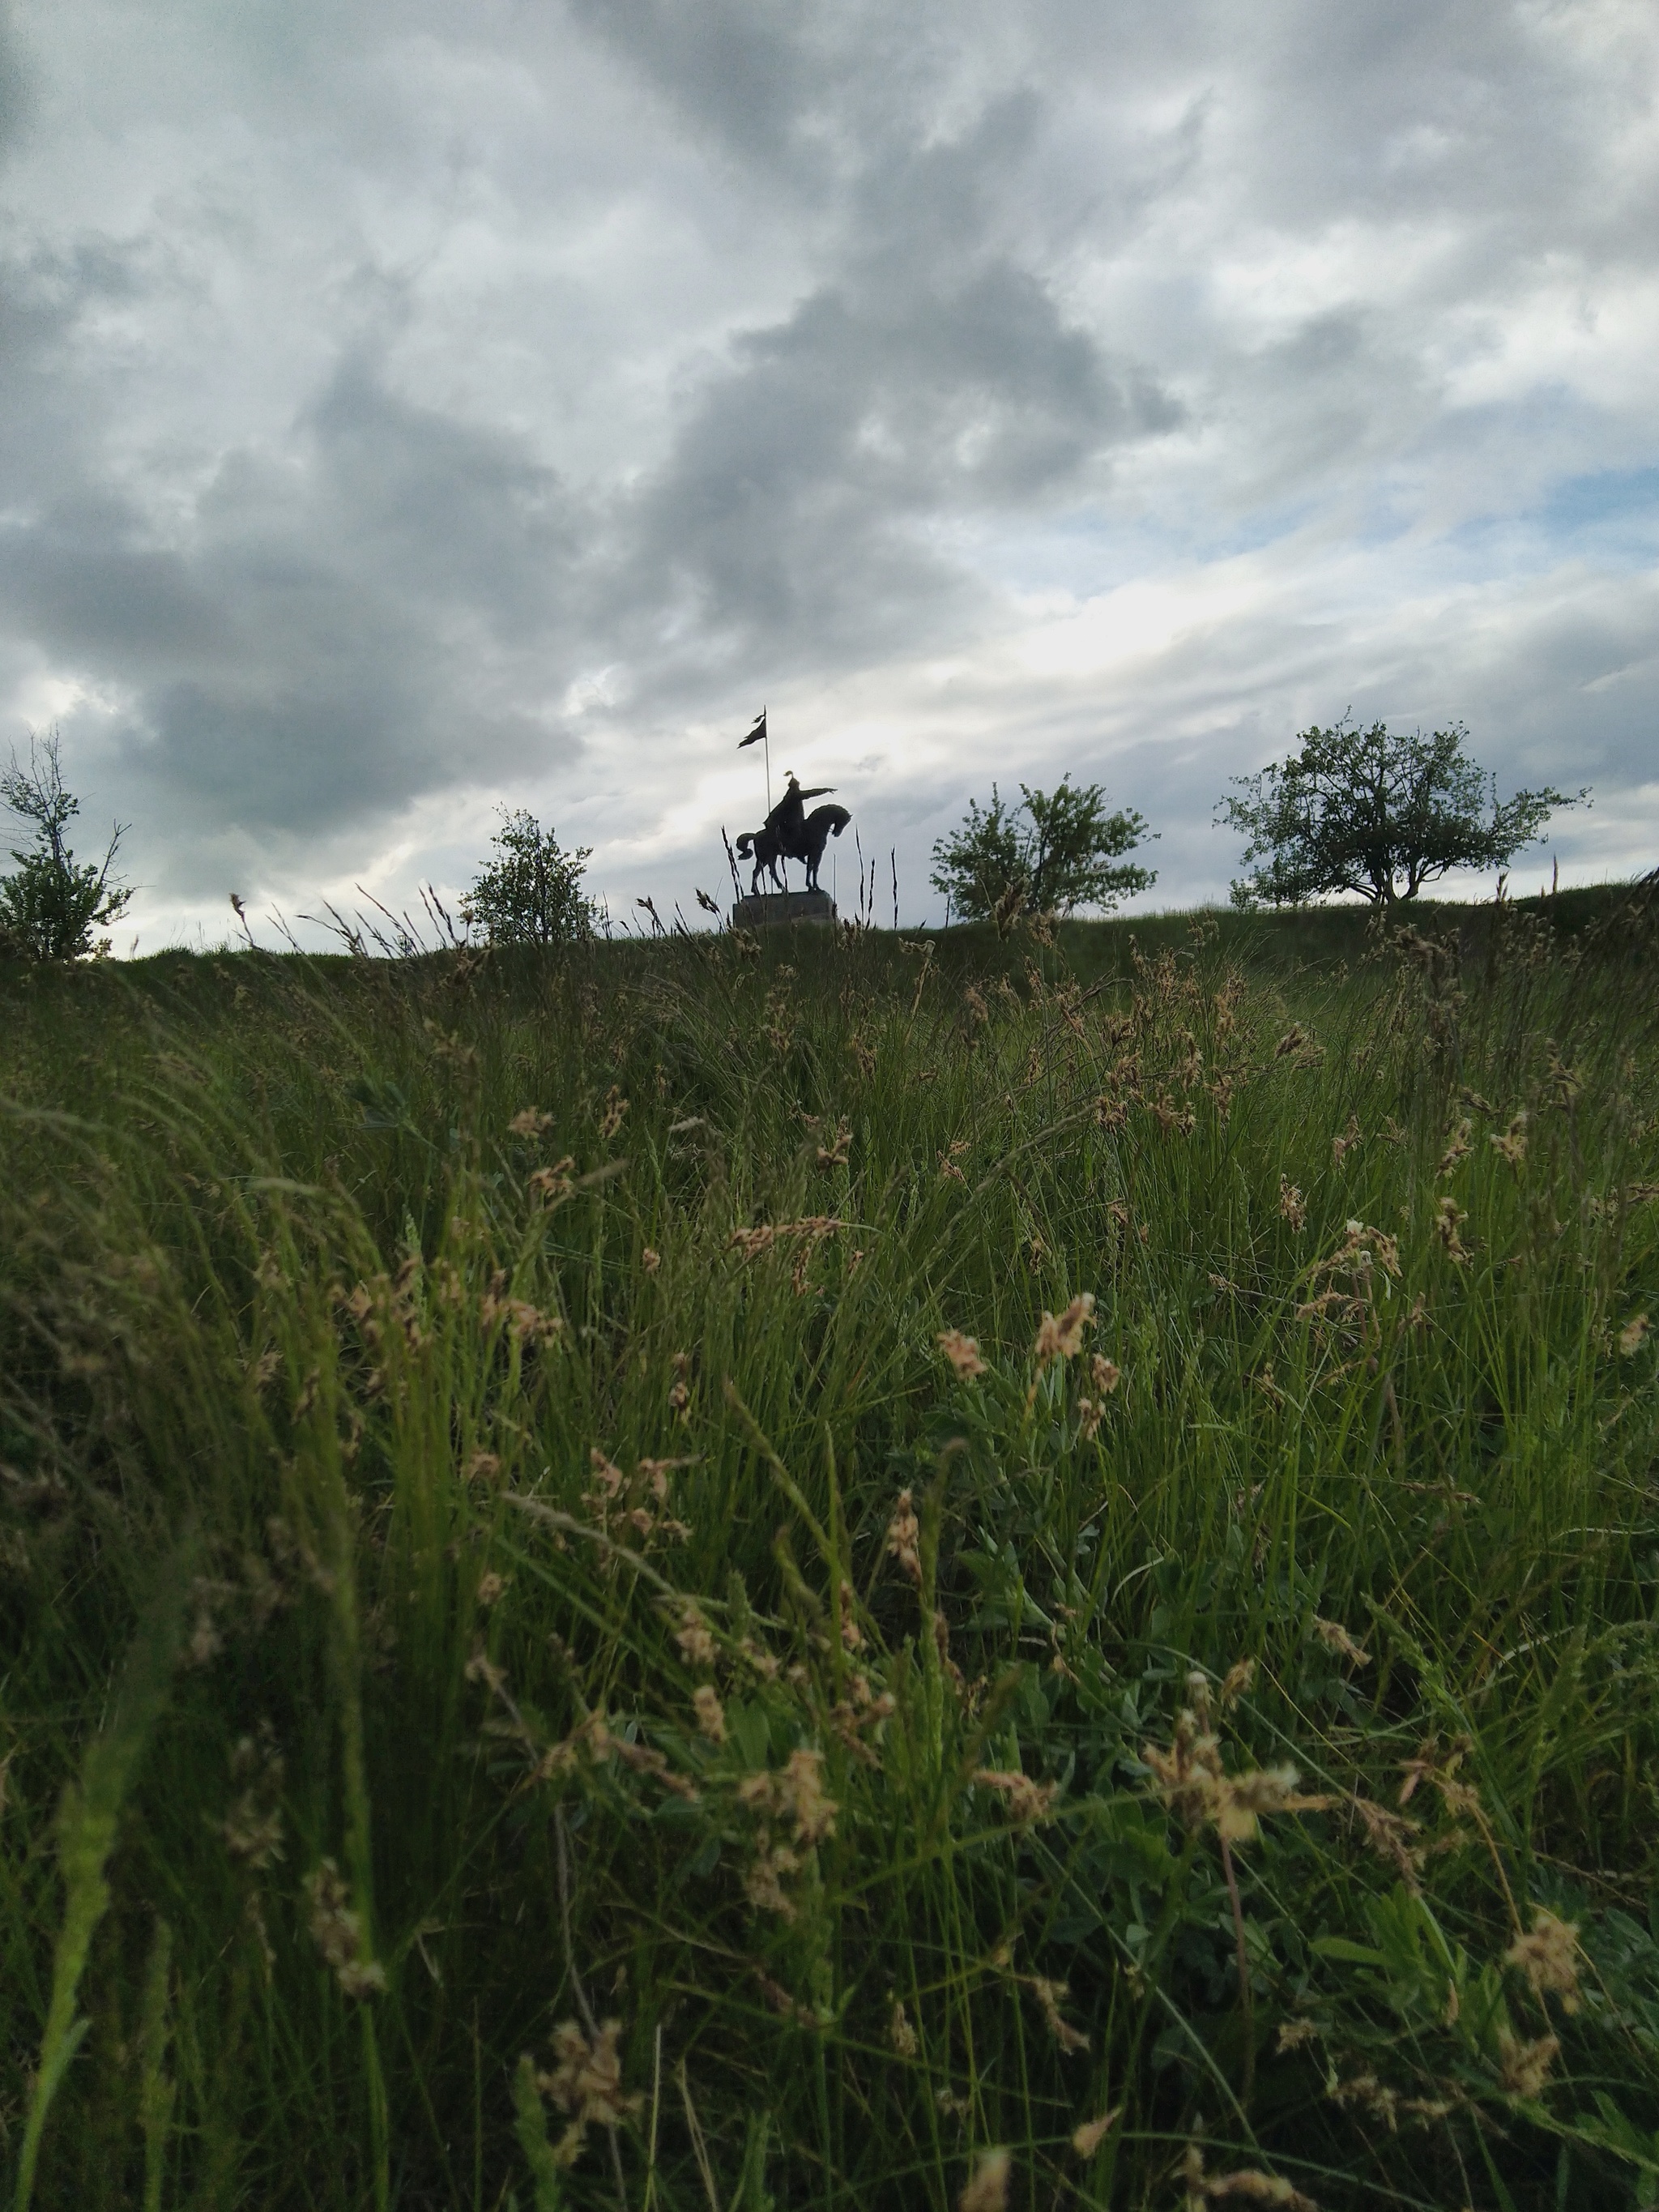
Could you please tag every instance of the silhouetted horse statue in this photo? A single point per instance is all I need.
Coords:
(767, 850)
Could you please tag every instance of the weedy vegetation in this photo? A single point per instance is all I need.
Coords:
(849, 1572)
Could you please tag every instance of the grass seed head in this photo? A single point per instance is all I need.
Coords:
(1548, 1956)
(336, 1930)
(693, 1636)
(987, 2191)
(1632, 1336)
(1027, 1801)
(961, 1351)
(904, 1535)
(711, 1714)
(1087, 2139)
(901, 2036)
(1059, 1336)
(1448, 1217)
(586, 2081)
(1524, 2068)
(1335, 1637)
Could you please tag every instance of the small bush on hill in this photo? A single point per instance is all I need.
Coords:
(52, 906)
(530, 893)
(1056, 850)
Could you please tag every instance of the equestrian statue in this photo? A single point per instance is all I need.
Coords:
(790, 833)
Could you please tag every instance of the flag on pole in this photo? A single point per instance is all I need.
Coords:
(757, 734)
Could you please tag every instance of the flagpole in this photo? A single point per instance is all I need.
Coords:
(767, 743)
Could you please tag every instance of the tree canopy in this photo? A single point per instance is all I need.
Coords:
(52, 905)
(1054, 852)
(1377, 812)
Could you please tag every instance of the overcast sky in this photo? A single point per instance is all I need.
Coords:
(413, 407)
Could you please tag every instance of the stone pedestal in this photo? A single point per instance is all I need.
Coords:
(772, 908)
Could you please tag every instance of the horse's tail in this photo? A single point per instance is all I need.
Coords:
(744, 843)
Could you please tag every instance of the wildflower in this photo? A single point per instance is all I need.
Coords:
(1335, 1637)
(1524, 2068)
(988, 2190)
(903, 1534)
(337, 1932)
(1549, 1957)
(1631, 1337)
(1292, 1207)
(490, 1587)
(1105, 1373)
(1060, 1335)
(650, 1259)
(587, 2082)
(901, 2036)
(530, 1123)
(711, 1714)
(1027, 1800)
(961, 1351)
(693, 1636)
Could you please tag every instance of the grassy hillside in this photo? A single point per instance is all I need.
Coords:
(590, 1616)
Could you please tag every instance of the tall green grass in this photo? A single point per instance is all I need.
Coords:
(531, 1676)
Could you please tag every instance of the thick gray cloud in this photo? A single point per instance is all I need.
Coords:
(407, 408)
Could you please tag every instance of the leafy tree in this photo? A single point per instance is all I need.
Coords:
(52, 906)
(1379, 813)
(1054, 851)
(530, 893)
